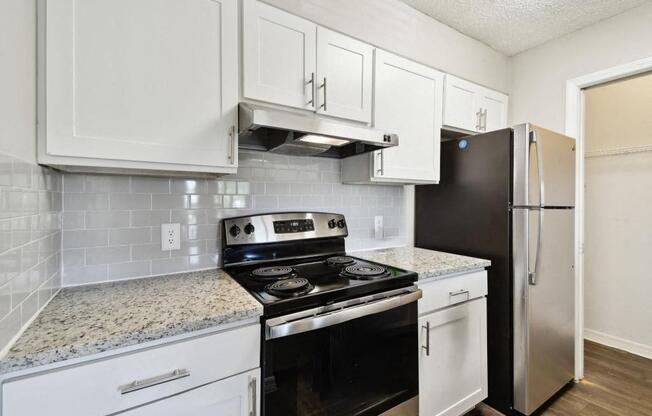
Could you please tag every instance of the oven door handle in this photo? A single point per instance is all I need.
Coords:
(340, 315)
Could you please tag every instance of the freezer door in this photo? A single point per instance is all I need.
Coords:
(543, 304)
(544, 167)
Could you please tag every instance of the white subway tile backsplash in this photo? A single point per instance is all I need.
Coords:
(162, 201)
(264, 182)
(107, 255)
(105, 183)
(129, 201)
(107, 219)
(129, 270)
(85, 238)
(30, 240)
(137, 235)
(150, 218)
(85, 201)
(147, 185)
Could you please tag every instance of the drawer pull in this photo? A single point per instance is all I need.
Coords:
(153, 381)
(460, 292)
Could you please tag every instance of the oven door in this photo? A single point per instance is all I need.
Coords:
(358, 357)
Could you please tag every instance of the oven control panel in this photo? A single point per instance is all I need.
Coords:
(287, 226)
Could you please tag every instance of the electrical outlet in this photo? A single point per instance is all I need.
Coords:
(170, 237)
(379, 230)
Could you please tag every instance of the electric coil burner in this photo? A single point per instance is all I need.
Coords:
(365, 272)
(330, 321)
(340, 260)
(272, 273)
(289, 287)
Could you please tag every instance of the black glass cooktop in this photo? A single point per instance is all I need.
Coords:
(289, 285)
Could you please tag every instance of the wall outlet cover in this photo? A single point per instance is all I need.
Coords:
(379, 230)
(170, 237)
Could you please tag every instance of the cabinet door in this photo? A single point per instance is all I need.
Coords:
(453, 370)
(142, 81)
(279, 53)
(494, 107)
(344, 76)
(234, 396)
(408, 102)
(461, 104)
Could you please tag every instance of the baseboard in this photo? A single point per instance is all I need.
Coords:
(619, 343)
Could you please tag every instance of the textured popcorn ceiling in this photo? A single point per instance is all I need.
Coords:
(512, 26)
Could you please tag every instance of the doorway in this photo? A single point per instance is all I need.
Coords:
(575, 117)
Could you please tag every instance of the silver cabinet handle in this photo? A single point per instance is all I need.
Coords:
(460, 292)
(478, 119)
(252, 389)
(232, 150)
(324, 105)
(381, 162)
(312, 89)
(427, 346)
(483, 119)
(153, 381)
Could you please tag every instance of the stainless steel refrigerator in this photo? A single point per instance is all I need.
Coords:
(508, 196)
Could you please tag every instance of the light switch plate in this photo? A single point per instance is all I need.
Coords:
(170, 237)
(379, 230)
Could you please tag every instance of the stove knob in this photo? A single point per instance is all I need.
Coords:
(249, 228)
(234, 230)
(332, 224)
(341, 224)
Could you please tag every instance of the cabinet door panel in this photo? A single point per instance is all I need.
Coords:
(495, 107)
(408, 102)
(146, 81)
(229, 397)
(453, 376)
(461, 104)
(346, 64)
(279, 56)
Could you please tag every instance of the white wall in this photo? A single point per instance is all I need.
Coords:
(617, 223)
(539, 75)
(398, 28)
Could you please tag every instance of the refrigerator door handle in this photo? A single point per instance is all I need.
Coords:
(532, 273)
(534, 142)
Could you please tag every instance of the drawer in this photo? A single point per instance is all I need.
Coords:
(101, 387)
(450, 291)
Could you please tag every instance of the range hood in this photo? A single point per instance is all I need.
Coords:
(285, 132)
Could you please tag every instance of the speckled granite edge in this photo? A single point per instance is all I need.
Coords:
(89, 320)
(426, 263)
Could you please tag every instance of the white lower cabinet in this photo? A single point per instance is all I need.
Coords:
(215, 374)
(453, 355)
(234, 396)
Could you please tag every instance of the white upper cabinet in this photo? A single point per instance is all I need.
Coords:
(494, 105)
(279, 56)
(291, 61)
(344, 76)
(408, 102)
(473, 108)
(149, 84)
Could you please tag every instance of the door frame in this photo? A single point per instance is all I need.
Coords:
(575, 128)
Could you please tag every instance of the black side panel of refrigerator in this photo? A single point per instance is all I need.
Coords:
(468, 213)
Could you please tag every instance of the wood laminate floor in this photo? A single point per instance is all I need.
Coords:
(616, 383)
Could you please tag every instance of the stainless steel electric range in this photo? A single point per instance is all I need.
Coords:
(339, 333)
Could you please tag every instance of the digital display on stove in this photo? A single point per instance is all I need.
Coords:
(293, 226)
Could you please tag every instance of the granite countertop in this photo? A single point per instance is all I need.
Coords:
(427, 263)
(87, 320)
